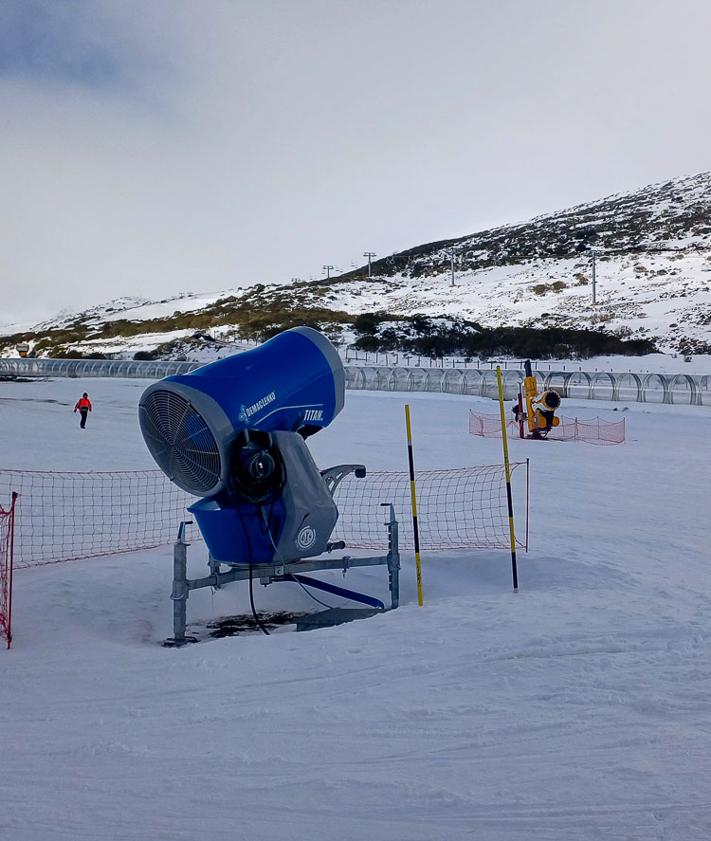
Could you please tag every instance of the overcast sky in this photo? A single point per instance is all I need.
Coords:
(152, 147)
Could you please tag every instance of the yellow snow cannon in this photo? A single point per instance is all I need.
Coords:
(540, 409)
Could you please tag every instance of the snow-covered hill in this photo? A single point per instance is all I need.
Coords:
(653, 259)
(653, 269)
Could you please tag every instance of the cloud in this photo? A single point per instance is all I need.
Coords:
(56, 43)
(92, 152)
(84, 44)
(149, 148)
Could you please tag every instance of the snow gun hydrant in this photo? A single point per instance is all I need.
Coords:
(539, 413)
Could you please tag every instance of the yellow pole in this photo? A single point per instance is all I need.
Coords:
(507, 468)
(413, 495)
(530, 390)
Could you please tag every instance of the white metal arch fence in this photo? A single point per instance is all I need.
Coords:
(152, 369)
(684, 389)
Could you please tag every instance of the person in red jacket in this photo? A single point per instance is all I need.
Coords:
(83, 407)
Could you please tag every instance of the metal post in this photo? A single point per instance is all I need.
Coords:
(393, 557)
(413, 499)
(369, 255)
(528, 474)
(452, 261)
(10, 563)
(327, 269)
(593, 278)
(180, 591)
(214, 567)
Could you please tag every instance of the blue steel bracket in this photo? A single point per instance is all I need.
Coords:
(334, 589)
(214, 566)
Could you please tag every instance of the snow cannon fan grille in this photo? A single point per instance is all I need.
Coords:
(180, 441)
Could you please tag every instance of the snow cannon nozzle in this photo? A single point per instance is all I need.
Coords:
(233, 432)
(294, 382)
(551, 399)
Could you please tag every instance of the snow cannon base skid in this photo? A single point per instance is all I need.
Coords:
(291, 570)
(540, 432)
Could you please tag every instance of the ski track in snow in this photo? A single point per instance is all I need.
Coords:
(579, 708)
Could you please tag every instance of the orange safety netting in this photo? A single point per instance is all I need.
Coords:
(591, 430)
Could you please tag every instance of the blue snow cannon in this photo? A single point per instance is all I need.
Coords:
(233, 432)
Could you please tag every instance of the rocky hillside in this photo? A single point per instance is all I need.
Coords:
(673, 216)
(653, 269)
(519, 288)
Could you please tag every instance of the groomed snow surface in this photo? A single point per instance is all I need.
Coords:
(579, 708)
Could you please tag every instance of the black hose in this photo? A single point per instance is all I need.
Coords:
(259, 622)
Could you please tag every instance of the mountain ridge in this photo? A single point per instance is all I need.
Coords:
(652, 254)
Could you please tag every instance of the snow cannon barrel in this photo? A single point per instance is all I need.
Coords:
(550, 399)
(294, 382)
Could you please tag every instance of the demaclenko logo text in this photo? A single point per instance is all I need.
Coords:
(260, 404)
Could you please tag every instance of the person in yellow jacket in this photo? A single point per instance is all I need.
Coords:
(83, 406)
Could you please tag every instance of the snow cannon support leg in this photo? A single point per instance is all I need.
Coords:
(393, 557)
(181, 591)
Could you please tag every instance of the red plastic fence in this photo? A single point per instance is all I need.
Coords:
(591, 430)
(7, 531)
(66, 516)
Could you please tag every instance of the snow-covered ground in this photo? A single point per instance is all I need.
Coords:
(579, 708)
(650, 363)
